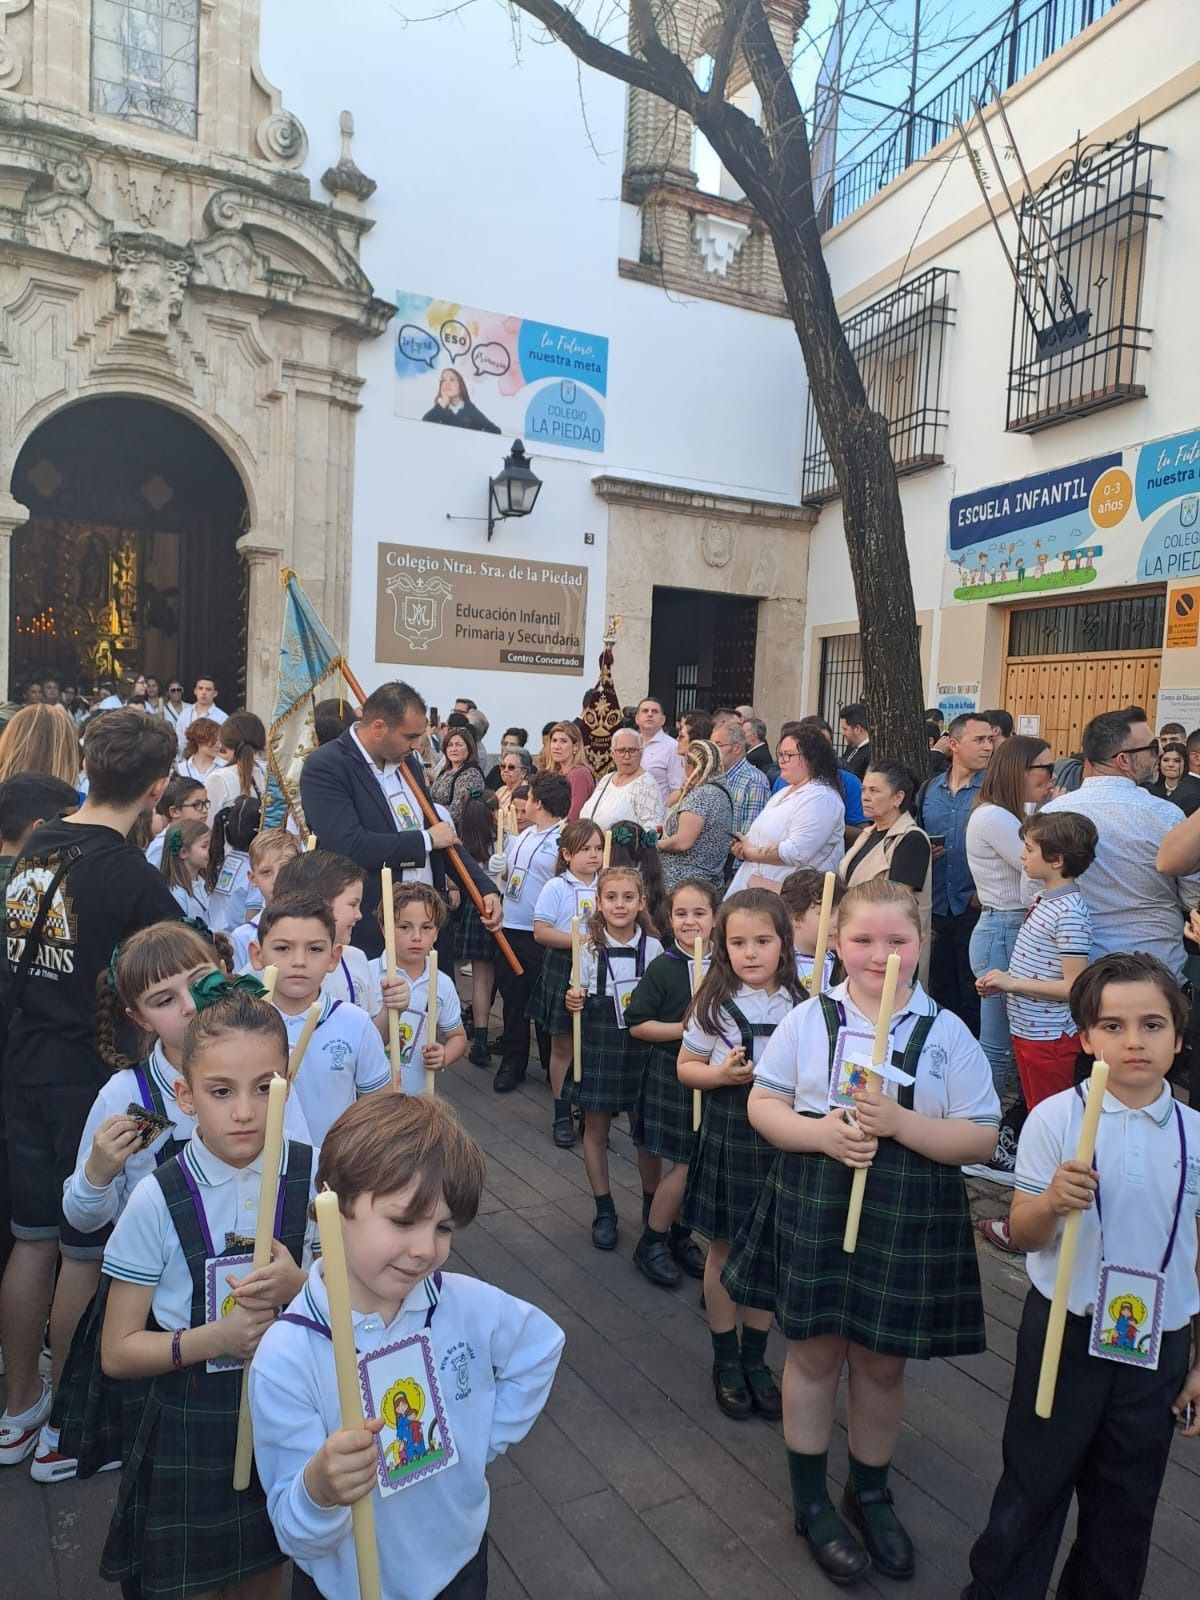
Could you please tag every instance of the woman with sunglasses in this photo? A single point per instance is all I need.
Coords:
(174, 706)
(515, 768)
(1018, 779)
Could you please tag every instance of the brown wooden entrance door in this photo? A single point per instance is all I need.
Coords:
(1068, 663)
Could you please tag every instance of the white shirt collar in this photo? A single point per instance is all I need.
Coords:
(919, 1004)
(161, 1070)
(1159, 1110)
(386, 768)
(418, 1300)
(210, 1171)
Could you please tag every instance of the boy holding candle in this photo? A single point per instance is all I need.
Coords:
(1109, 1434)
(420, 914)
(406, 1176)
(345, 1057)
(801, 893)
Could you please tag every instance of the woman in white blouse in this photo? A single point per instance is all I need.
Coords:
(801, 826)
(242, 743)
(1017, 780)
(627, 794)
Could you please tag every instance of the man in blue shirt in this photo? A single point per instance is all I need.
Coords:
(945, 806)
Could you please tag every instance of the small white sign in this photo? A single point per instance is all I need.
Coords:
(1179, 705)
(1030, 725)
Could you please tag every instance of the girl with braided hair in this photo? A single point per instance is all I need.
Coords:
(699, 826)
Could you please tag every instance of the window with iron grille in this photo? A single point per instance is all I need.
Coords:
(899, 344)
(841, 682)
(1079, 341)
(1132, 622)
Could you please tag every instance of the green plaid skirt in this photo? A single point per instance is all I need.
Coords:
(472, 941)
(548, 1002)
(912, 1286)
(612, 1061)
(662, 1117)
(97, 1417)
(179, 1527)
(728, 1168)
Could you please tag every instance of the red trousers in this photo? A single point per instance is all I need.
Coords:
(1045, 1066)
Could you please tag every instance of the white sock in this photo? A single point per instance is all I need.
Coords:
(19, 1418)
(49, 1438)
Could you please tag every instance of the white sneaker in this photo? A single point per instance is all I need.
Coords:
(19, 1437)
(1002, 1168)
(48, 1464)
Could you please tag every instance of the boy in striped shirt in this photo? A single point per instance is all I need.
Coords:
(1050, 953)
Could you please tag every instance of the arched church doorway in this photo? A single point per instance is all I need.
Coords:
(128, 561)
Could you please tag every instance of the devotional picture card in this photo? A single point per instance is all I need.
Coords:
(399, 1383)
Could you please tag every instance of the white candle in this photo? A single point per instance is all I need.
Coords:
(264, 1236)
(431, 1018)
(858, 1186)
(389, 957)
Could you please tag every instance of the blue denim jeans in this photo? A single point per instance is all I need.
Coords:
(992, 946)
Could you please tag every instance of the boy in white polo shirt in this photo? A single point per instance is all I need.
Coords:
(345, 1056)
(1130, 1372)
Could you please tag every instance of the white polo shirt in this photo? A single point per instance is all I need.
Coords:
(89, 1208)
(344, 1060)
(413, 1038)
(403, 807)
(756, 1005)
(144, 1247)
(354, 979)
(589, 960)
(1137, 1160)
(953, 1076)
(661, 759)
(496, 1358)
(564, 897)
(529, 860)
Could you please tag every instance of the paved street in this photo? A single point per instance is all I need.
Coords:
(633, 1484)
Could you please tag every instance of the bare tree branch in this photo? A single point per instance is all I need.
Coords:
(727, 41)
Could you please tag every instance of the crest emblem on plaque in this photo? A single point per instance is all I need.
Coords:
(419, 605)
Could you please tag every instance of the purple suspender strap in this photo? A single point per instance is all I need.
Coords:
(202, 1219)
(143, 1085)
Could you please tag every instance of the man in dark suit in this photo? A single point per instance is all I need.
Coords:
(856, 757)
(359, 794)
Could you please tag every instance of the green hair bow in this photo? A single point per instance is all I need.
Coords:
(214, 986)
(631, 836)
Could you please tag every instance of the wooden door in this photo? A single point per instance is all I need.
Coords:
(1066, 692)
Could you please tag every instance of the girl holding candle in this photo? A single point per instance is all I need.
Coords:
(406, 1176)
(1113, 1414)
(911, 1287)
(420, 914)
(570, 893)
(661, 1124)
(614, 957)
(185, 1315)
(748, 990)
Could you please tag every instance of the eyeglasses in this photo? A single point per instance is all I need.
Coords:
(195, 805)
(1040, 766)
(1140, 749)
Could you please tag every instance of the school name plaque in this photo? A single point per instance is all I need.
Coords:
(452, 608)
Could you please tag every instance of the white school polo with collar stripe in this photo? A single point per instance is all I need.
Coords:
(89, 1208)
(533, 855)
(496, 1358)
(412, 1073)
(756, 1005)
(953, 1076)
(144, 1247)
(1137, 1160)
(589, 960)
(354, 979)
(344, 1060)
(559, 901)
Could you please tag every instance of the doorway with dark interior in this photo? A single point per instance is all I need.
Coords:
(129, 559)
(702, 650)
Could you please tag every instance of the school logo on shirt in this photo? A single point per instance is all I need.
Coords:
(458, 1358)
(337, 1053)
(934, 1057)
(1191, 1183)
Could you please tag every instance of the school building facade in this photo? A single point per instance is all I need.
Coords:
(1041, 390)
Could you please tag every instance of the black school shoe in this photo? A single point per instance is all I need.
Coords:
(563, 1133)
(604, 1231)
(732, 1395)
(479, 1055)
(842, 1559)
(891, 1550)
(764, 1393)
(507, 1079)
(688, 1255)
(653, 1260)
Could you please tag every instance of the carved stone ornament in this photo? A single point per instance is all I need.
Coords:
(346, 178)
(151, 279)
(282, 139)
(716, 544)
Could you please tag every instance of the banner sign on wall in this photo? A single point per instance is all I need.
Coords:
(1131, 516)
(453, 608)
(466, 368)
(953, 699)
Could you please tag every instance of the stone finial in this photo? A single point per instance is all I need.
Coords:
(345, 178)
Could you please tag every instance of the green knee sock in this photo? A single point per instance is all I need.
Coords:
(810, 1486)
(725, 1351)
(647, 1202)
(754, 1348)
(879, 1517)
